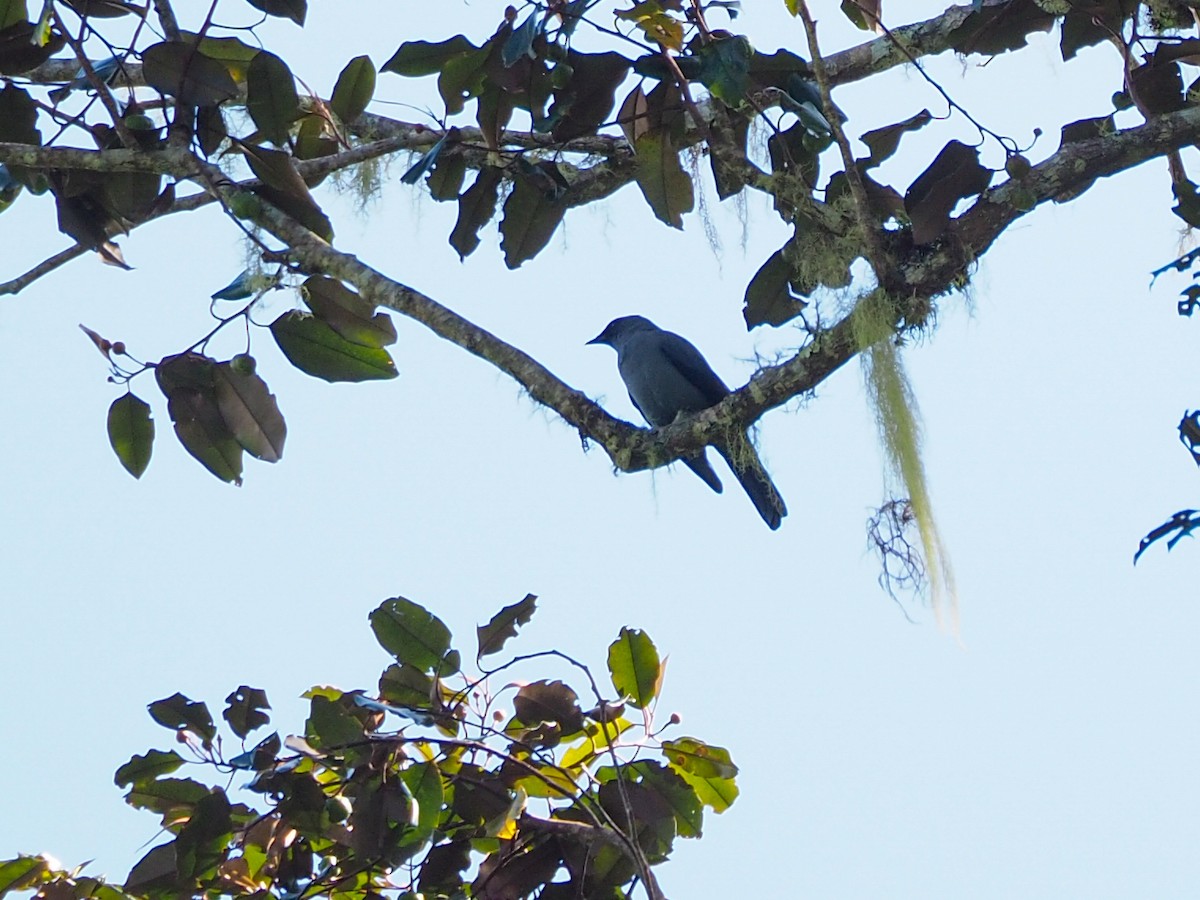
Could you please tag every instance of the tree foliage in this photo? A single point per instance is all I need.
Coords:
(435, 784)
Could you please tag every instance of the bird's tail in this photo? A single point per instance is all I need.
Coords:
(748, 468)
(701, 466)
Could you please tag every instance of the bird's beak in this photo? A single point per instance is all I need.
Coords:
(598, 339)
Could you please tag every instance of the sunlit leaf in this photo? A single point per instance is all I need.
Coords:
(414, 635)
(635, 667)
(131, 433)
(316, 349)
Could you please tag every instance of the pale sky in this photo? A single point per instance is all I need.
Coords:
(1050, 753)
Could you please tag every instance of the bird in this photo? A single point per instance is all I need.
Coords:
(666, 377)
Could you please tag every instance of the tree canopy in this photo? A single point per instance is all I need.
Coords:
(121, 115)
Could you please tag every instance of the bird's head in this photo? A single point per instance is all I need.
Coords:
(618, 329)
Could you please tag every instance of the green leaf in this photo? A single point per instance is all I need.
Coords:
(414, 635)
(202, 842)
(148, 768)
(503, 625)
(406, 685)
(12, 12)
(716, 793)
(354, 89)
(676, 793)
(284, 9)
(425, 783)
(23, 873)
(416, 58)
(175, 68)
(331, 725)
(446, 180)
(249, 410)
(180, 713)
(271, 97)
(725, 68)
(314, 348)
(462, 76)
(347, 313)
(164, 795)
(475, 209)
(245, 710)
(530, 219)
(131, 433)
(636, 669)
(692, 755)
(664, 183)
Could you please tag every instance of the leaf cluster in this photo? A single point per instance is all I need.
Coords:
(434, 784)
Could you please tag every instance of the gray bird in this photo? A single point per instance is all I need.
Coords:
(667, 376)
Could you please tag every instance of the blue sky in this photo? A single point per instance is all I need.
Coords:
(1051, 752)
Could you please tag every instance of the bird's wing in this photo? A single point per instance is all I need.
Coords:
(687, 360)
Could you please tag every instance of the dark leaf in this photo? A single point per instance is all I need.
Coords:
(863, 13)
(883, 141)
(271, 97)
(415, 636)
(330, 725)
(675, 793)
(635, 667)
(12, 12)
(1187, 202)
(549, 701)
(172, 797)
(181, 714)
(463, 76)
(283, 187)
(261, 756)
(1000, 27)
(954, 175)
(589, 97)
(347, 313)
(20, 50)
(446, 180)
(770, 295)
(201, 429)
(441, 874)
(503, 625)
(516, 871)
(530, 220)
(249, 409)
(776, 69)
(662, 179)
(1183, 523)
(475, 209)
(202, 842)
(148, 767)
(314, 140)
(179, 70)
(245, 710)
(641, 811)
(18, 117)
(354, 89)
(84, 219)
(406, 685)
(284, 9)
(416, 58)
(131, 433)
(1092, 22)
(153, 872)
(1157, 87)
(493, 112)
(316, 349)
(101, 9)
(210, 129)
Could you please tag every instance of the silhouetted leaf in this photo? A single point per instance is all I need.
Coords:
(179, 70)
(283, 187)
(153, 872)
(201, 429)
(245, 710)
(101, 9)
(295, 10)
(441, 874)
(148, 768)
(463, 75)
(406, 685)
(530, 220)
(589, 97)
(18, 117)
(210, 129)
(182, 714)
(347, 313)
(414, 635)
(503, 625)
(636, 670)
(250, 410)
(884, 141)
(271, 97)
(1157, 87)
(202, 842)
(662, 179)
(549, 701)
(131, 433)
(20, 50)
(954, 175)
(1000, 27)
(475, 209)
(446, 180)
(675, 792)
(354, 89)
(316, 349)
(770, 295)
(416, 58)
(1094, 22)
